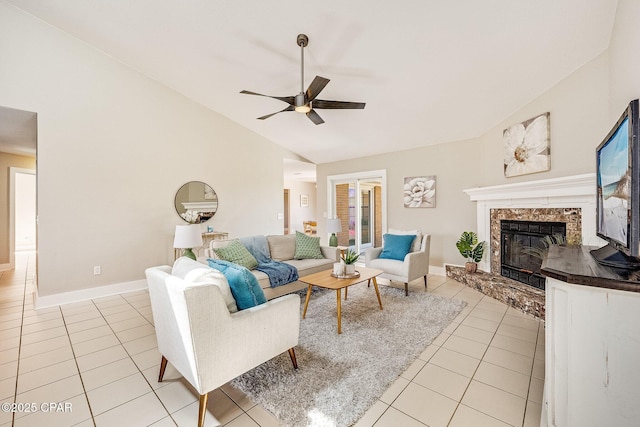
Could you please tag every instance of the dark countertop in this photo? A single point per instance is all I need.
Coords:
(575, 265)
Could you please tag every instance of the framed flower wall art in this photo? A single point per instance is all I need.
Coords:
(526, 147)
(420, 192)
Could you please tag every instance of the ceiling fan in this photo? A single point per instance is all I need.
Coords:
(306, 102)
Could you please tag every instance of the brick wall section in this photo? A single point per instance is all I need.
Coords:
(342, 212)
(377, 195)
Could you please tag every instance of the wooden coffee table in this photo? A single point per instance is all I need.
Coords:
(324, 279)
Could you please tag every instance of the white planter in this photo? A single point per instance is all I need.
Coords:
(350, 269)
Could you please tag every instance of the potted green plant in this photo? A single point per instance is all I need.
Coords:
(471, 249)
(349, 258)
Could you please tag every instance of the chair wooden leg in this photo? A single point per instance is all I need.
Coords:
(425, 281)
(202, 409)
(406, 289)
(163, 366)
(292, 355)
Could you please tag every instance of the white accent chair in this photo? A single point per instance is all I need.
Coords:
(414, 265)
(206, 343)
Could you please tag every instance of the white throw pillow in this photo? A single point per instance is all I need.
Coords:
(209, 276)
(198, 274)
(417, 242)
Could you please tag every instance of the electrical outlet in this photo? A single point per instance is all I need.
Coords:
(97, 270)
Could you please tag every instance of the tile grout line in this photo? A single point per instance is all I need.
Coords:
(477, 367)
(24, 299)
(75, 360)
(133, 361)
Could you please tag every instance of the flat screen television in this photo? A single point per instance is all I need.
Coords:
(618, 193)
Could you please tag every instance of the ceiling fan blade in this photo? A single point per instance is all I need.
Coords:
(315, 118)
(338, 105)
(289, 108)
(288, 99)
(316, 87)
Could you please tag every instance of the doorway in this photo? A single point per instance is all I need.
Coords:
(18, 152)
(23, 189)
(359, 201)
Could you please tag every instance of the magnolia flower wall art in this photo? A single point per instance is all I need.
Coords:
(526, 147)
(420, 192)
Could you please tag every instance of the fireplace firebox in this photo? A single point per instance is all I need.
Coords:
(516, 261)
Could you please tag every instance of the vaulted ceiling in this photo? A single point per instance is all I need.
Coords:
(430, 71)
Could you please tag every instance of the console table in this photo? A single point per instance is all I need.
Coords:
(207, 237)
(592, 342)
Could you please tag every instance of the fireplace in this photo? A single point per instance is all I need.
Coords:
(519, 241)
(569, 200)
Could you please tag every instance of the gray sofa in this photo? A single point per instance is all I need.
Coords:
(282, 248)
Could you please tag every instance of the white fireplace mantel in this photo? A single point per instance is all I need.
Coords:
(577, 191)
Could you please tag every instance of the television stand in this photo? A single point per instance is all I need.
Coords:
(611, 257)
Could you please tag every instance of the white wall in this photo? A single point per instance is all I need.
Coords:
(579, 107)
(624, 80)
(113, 148)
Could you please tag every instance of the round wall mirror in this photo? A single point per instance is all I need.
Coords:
(196, 202)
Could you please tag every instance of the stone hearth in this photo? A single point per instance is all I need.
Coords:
(522, 297)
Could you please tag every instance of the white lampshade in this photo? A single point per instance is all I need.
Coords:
(187, 236)
(334, 225)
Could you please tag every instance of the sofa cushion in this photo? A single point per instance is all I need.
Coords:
(389, 266)
(195, 273)
(307, 247)
(310, 266)
(244, 285)
(396, 246)
(236, 253)
(283, 247)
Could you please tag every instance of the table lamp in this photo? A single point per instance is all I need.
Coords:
(188, 237)
(334, 226)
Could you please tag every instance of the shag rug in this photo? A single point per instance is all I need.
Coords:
(340, 376)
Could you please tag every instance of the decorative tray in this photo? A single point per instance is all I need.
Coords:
(347, 276)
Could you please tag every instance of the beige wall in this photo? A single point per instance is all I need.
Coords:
(113, 148)
(579, 107)
(8, 161)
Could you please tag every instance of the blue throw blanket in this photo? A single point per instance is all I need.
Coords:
(279, 273)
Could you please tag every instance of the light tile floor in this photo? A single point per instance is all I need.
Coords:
(100, 359)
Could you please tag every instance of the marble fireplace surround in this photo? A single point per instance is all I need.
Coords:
(570, 199)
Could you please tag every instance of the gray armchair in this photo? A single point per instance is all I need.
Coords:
(414, 265)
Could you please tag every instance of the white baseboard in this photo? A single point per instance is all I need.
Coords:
(86, 294)
(438, 271)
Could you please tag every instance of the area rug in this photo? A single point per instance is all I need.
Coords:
(341, 376)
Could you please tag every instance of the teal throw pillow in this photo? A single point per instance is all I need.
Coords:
(237, 253)
(244, 286)
(307, 247)
(396, 246)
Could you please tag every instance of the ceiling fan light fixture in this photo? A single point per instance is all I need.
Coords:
(304, 101)
(301, 104)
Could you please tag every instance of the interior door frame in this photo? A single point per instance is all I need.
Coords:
(333, 180)
(13, 171)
